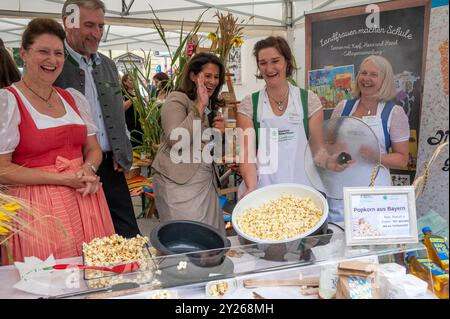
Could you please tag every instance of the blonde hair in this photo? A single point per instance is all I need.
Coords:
(387, 89)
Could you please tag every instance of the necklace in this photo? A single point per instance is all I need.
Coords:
(279, 104)
(46, 100)
(367, 109)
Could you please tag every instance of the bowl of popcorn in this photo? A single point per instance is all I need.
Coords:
(280, 213)
(115, 250)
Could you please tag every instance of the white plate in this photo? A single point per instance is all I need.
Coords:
(265, 194)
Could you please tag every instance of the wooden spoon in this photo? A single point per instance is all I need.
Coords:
(254, 283)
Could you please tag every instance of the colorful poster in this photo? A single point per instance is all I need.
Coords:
(332, 85)
(412, 159)
(234, 65)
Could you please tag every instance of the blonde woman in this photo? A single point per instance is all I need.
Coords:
(374, 91)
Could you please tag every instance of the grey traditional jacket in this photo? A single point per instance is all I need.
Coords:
(110, 95)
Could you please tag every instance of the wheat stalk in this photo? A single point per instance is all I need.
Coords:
(227, 31)
(421, 182)
(15, 215)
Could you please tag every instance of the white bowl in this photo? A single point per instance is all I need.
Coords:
(265, 194)
(232, 286)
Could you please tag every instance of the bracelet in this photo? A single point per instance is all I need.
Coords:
(91, 166)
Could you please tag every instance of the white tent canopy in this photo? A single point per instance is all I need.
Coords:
(129, 23)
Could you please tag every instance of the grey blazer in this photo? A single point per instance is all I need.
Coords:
(178, 111)
(110, 95)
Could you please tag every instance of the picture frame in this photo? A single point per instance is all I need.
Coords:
(380, 215)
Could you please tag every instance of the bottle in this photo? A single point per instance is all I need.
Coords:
(437, 248)
(428, 271)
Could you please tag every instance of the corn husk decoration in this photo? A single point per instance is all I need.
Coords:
(229, 34)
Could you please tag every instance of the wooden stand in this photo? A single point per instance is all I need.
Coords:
(231, 103)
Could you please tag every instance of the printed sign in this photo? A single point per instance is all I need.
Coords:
(380, 215)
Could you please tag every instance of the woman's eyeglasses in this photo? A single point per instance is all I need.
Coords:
(46, 53)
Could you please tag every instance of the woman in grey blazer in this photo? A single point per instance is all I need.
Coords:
(184, 180)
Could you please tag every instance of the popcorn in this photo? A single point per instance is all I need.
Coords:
(218, 289)
(234, 253)
(163, 294)
(115, 250)
(283, 218)
(362, 228)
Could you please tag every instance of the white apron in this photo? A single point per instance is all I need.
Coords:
(336, 206)
(376, 124)
(287, 160)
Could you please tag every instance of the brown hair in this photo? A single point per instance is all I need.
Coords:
(282, 46)
(40, 26)
(161, 76)
(195, 65)
(124, 78)
(9, 73)
(88, 4)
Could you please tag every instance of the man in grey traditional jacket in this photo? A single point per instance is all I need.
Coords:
(95, 75)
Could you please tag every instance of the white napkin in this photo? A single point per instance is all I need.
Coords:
(38, 277)
(333, 250)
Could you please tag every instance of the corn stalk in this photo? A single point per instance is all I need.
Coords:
(178, 58)
(146, 108)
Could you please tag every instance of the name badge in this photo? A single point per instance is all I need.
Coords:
(294, 118)
(370, 120)
(273, 134)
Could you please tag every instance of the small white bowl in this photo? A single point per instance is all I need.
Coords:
(221, 288)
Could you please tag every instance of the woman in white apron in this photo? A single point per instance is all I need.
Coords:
(373, 91)
(279, 111)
